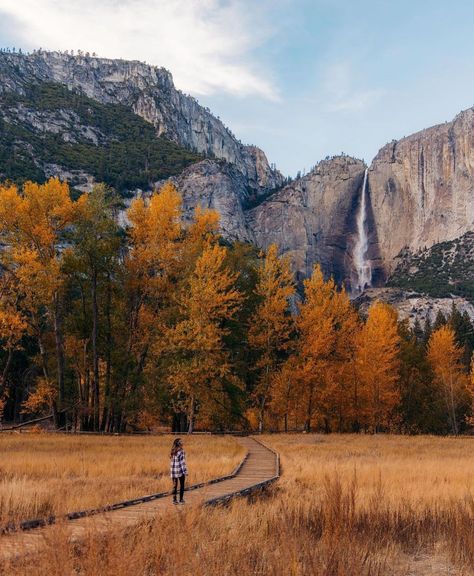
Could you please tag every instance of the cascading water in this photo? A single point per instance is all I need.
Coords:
(363, 268)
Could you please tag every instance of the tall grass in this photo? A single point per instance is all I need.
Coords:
(44, 474)
(345, 506)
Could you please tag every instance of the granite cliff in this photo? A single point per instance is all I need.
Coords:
(423, 188)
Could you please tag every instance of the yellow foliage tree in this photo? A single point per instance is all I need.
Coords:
(445, 357)
(271, 324)
(326, 328)
(377, 364)
(285, 393)
(32, 225)
(199, 365)
(200, 233)
(470, 391)
(152, 265)
(13, 326)
(154, 230)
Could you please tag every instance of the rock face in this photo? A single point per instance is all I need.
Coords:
(423, 188)
(149, 91)
(220, 186)
(313, 220)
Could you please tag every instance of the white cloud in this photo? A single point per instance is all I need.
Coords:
(208, 45)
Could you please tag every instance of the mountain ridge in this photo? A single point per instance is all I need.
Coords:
(149, 91)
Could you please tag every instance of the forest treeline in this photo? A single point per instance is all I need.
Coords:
(159, 321)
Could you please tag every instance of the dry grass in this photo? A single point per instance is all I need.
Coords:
(345, 506)
(423, 472)
(44, 474)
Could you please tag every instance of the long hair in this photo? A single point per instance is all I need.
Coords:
(177, 444)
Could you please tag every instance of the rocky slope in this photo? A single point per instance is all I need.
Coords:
(149, 91)
(414, 306)
(443, 270)
(423, 187)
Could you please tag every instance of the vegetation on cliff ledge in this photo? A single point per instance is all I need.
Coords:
(443, 270)
(106, 141)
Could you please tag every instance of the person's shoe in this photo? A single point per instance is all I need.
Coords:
(182, 502)
(175, 501)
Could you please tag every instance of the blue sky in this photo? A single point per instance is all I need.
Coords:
(301, 79)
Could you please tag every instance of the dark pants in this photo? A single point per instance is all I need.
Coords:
(181, 487)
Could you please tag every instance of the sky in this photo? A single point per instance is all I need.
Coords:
(302, 79)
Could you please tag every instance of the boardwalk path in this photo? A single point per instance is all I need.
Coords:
(260, 468)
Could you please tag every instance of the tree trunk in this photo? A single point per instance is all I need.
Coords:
(356, 416)
(453, 408)
(44, 366)
(6, 369)
(309, 412)
(95, 355)
(60, 362)
(261, 415)
(108, 356)
(191, 415)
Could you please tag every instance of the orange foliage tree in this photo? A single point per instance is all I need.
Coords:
(33, 224)
(326, 328)
(271, 324)
(199, 365)
(152, 269)
(377, 363)
(13, 327)
(445, 357)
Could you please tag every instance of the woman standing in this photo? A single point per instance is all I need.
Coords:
(178, 470)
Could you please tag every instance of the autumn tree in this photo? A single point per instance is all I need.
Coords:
(13, 327)
(326, 327)
(377, 364)
(33, 223)
(92, 264)
(150, 267)
(445, 357)
(339, 402)
(285, 392)
(199, 364)
(271, 324)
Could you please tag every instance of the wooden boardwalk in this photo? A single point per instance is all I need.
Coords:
(260, 468)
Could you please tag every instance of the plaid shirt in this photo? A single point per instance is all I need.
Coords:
(178, 465)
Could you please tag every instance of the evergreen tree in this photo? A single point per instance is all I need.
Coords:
(427, 330)
(440, 321)
(417, 330)
(421, 405)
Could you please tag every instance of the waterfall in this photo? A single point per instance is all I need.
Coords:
(362, 265)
